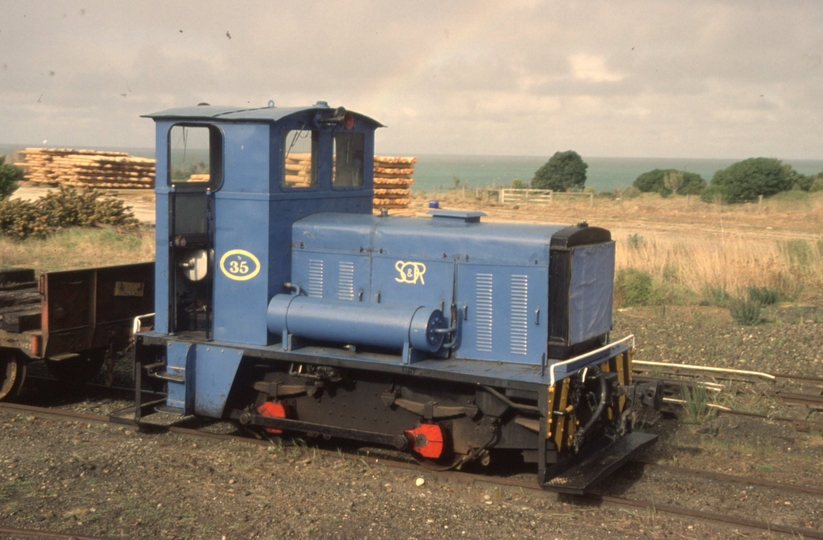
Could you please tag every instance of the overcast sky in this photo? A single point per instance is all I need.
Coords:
(653, 78)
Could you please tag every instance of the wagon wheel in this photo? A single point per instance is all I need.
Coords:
(12, 373)
(78, 370)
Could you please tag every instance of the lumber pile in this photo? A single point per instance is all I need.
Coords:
(87, 168)
(392, 181)
(298, 170)
(392, 178)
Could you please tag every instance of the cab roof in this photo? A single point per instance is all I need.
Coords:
(269, 113)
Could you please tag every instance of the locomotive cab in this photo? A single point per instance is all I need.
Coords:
(283, 303)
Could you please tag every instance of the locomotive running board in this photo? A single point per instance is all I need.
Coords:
(599, 465)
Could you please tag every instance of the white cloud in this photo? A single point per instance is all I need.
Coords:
(589, 67)
(638, 78)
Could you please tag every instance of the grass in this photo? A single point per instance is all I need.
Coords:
(78, 248)
(717, 271)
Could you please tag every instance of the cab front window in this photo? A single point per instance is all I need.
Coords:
(348, 159)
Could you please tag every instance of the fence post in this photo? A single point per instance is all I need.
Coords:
(591, 200)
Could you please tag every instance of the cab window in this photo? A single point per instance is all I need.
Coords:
(194, 156)
(299, 159)
(348, 159)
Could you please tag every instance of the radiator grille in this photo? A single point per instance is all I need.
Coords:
(315, 288)
(483, 297)
(345, 281)
(519, 315)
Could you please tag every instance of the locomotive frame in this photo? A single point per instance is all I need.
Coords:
(283, 303)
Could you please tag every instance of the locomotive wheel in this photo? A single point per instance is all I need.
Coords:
(12, 373)
(78, 370)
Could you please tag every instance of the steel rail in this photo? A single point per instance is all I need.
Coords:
(49, 534)
(470, 477)
(748, 480)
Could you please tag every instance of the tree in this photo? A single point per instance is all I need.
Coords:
(673, 181)
(9, 175)
(563, 172)
(748, 179)
(655, 181)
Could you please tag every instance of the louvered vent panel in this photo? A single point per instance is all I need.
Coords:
(315, 288)
(345, 281)
(483, 298)
(519, 315)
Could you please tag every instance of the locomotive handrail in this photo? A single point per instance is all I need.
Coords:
(552, 377)
(137, 325)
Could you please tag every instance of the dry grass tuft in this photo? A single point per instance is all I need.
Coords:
(79, 248)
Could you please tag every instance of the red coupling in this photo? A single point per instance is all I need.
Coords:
(427, 440)
(272, 409)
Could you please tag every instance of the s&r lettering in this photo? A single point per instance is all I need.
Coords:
(410, 272)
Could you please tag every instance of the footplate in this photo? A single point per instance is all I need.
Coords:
(591, 470)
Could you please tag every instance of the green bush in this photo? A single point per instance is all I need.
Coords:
(66, 207)
(715, 296)
(9, 175)
(745, 313)
(655, 182)
(634, 287)
(635, 241)
(817, 184)
(797, 252)
(748, 179)
(565, 171)
(762, 295)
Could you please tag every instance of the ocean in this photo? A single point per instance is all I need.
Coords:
(603, 174)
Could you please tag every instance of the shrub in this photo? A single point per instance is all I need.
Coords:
(748, 179)
(746, 313)
(654, 181)
(635, 241)
(762, 295)
(517, 184)
(9, 175)
(797, 252)
(716, 194)
(565, 171)
(634, 287)
(715, 296)
(59, 209)
(697, 403)
(817, 184)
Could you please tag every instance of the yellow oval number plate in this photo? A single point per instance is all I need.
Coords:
(239, 265)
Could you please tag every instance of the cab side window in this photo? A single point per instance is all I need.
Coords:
(299, 159)
(194, 156)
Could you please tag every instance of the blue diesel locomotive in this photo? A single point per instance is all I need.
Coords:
(282, 302)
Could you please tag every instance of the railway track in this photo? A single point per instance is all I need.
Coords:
(515, 482)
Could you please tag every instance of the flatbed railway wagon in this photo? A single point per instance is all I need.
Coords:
(71, 319)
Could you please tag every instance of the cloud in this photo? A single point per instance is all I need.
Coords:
(642, 78)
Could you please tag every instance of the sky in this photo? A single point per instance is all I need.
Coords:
(644, 78)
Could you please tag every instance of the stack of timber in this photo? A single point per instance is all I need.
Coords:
(87, 168)
(298, 170)
(392, 181)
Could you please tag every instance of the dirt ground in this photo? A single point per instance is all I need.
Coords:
(108, 480)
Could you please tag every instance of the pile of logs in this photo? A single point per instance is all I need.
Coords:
(87, 168)
(298, 170)
(392, 181)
